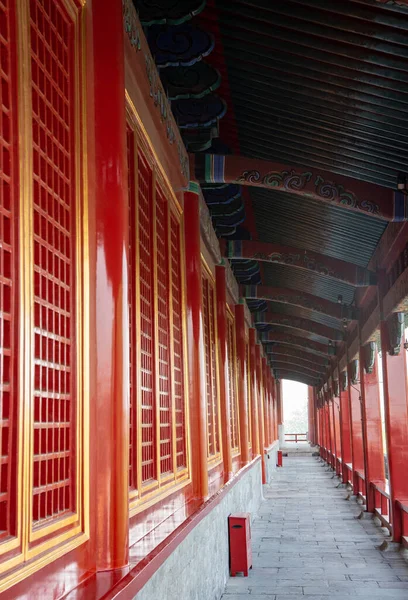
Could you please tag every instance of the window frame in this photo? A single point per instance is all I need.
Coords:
(147, 494)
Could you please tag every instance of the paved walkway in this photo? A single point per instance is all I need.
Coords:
(307, 544)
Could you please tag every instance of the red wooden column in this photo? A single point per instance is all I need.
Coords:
(270, 403)
(108, 235)
(345, 427)
(260, 406)
(372, 429)
(221, 294)
(333, 429)
(311, 414)
(279, 410)
(195, 343)
(327, 430)
(267, 421)
(336, 411)
(396, 420)
(355, 422)
(255, 392)
(329, 417)
(242, 387)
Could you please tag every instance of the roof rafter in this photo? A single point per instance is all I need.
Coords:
(299, 341)
(289, 352)
(302, 259)
(270, 318)
(294, 376)
(276, 363)
(301, 299)
(351, 194)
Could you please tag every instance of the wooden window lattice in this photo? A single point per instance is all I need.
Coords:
(232, 388)
(249, 393)
(52, 51)
(210, 367)
(147, 340)
(158, 432)
(178, 368)
(163, 318)
(8, 279)
(130, 139)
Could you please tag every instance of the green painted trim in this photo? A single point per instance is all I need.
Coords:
(194, 187)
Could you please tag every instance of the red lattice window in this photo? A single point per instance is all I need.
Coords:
(52, 68)
(158, 428)
(146, 282)
(130, 142)
(8, 279)
(163, 317)
(232, 387)
(210, 366)
(249, 392)
(178, 369)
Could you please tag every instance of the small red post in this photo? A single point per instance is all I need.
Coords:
(240, 543)
(280, 462)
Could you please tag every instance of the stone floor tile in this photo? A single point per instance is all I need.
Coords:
(307, 544)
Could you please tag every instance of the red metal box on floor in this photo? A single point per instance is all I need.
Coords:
(240, 543)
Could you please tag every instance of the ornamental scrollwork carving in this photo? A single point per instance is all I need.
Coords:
(289, 180)
(287, 259)
(131, 24)
(333, 192)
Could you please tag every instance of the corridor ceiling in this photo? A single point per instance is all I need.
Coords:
(311, 84)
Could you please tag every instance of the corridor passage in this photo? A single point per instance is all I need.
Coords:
(307, 543)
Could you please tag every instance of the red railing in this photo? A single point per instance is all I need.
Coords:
(360, 485)
(296, 437)
(403, 515)
(382, 505)
(349, 469)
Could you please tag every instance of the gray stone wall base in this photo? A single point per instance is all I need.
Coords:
(271, 459)
(198, 569)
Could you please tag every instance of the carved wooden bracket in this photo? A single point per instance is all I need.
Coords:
(395, 325)
(354, 371)
(344, 381)
(369, 356)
